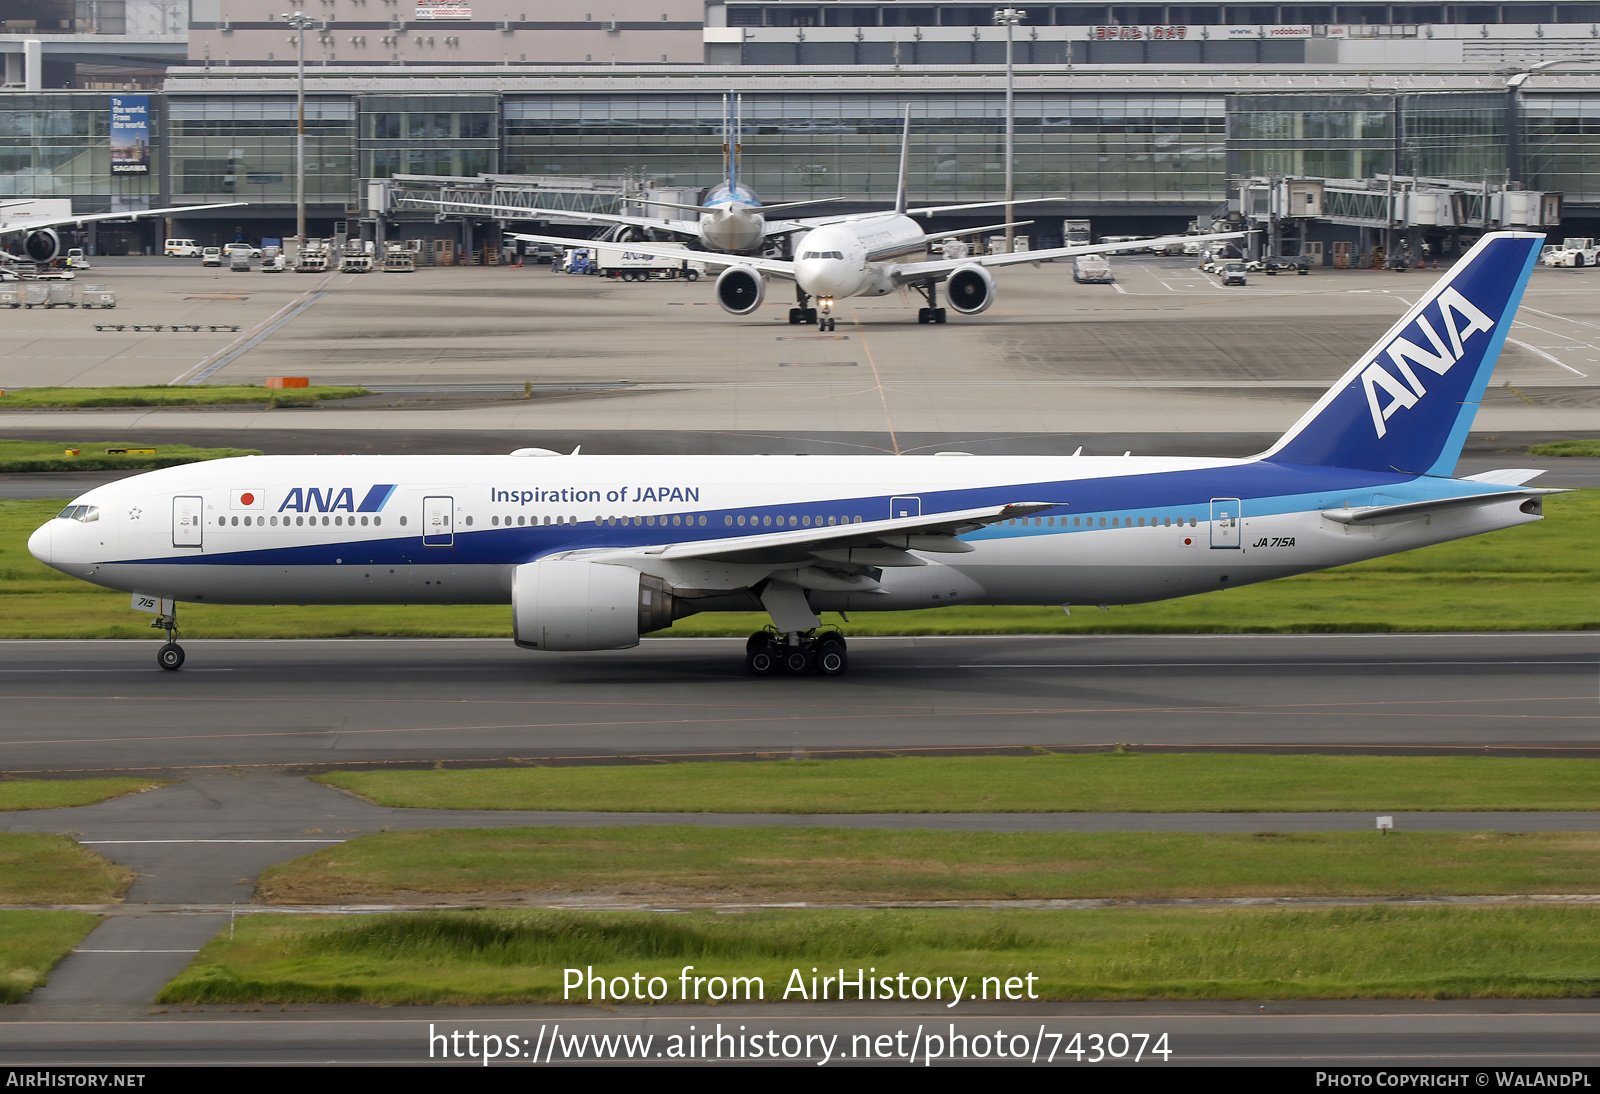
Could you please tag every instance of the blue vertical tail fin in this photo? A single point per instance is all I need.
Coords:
(1407, 403)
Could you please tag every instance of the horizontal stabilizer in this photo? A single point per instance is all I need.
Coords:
(1416, 510)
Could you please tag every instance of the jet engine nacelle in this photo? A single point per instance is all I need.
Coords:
(558, 605)
(740, 290)
(970, 289)
(42, 245)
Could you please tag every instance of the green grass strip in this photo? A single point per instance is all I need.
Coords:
(56, 793)
(30, 945)
(170, 395)
(844, 864)
(1567, 448)
(1104, 782)
(25, 456)
(1245, 953)
(43, 868)
(1537, 577)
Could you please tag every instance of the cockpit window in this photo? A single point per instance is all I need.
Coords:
(823, 254)
(84, 513)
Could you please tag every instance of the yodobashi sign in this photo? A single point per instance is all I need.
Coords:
(443, 9)
(130, 134)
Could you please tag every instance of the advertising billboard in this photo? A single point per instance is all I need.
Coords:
(130, 134)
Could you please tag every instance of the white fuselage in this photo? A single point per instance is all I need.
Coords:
(453, 529)
(835, 262)
(732, 227)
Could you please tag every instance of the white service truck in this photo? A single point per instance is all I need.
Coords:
(1573, 251)
(615, 260)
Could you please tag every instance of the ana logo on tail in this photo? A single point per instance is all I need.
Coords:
(1459, 318)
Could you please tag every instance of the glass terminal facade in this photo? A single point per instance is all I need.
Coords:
(1164, 149)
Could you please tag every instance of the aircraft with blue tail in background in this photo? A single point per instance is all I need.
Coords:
(591, 552)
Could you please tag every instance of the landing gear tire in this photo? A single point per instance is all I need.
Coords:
(828, 323)
(938, 315)
(830, 658)
(170, 656)
(761, 662)
(797, 316)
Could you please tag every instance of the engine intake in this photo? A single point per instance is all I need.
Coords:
(740, 290)
(558, 605)
(970, 289)
(42, 245)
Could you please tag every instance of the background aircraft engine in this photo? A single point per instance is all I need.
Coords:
(740, 290)
(970, 289)
(587, 606)
(42, 245)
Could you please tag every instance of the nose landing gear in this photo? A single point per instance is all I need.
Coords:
(827, 322)
(170, 655)
(798, 653)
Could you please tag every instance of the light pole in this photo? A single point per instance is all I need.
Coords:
(1009, 18)
(301, 22)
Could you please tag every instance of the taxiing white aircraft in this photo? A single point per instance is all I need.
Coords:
(38, 238)
(591, 552)
(839, 257)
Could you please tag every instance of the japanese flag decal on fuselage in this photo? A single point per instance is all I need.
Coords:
(1407, 403)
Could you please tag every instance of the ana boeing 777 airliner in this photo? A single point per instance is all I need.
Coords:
(590, 552)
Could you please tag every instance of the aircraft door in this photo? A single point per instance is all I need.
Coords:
(188, 522)
(1225, 522)
(438, 522)
(904, 507)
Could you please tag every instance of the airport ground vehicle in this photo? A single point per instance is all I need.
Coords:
(593, 551)
(314, 257)
(181, 248)
(249, 249)
(1575, 251)
(211, 256)
(272, 260)
(1233, 273)
(77, 260)
(1092, 269)
(239, 259)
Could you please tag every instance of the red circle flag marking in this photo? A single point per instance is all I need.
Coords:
(247, 499)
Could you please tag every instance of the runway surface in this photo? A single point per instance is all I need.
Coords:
(1467, 1035)
(80, 705)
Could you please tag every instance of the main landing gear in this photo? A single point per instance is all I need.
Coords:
(799, 653)
(932, 313)
(170, 655)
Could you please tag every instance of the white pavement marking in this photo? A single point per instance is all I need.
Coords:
(1546, 356)
(135, 951)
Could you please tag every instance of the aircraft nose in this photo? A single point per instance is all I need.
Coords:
(39, 543)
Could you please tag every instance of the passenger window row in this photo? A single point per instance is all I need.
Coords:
(298, 522)
(1115, 522)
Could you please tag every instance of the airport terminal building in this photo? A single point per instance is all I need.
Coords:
(1136, 117)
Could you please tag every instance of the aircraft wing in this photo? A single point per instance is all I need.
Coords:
(870, 543)
(518, 212)
(33, 225)
(777, 267)
(917, 271)
(807, 223)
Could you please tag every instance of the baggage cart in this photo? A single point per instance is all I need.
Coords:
(98, 296)
(11, 295)
(59, 295)
(35, 294)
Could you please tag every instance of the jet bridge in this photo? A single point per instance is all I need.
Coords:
(404, 203)
(1283, 209)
